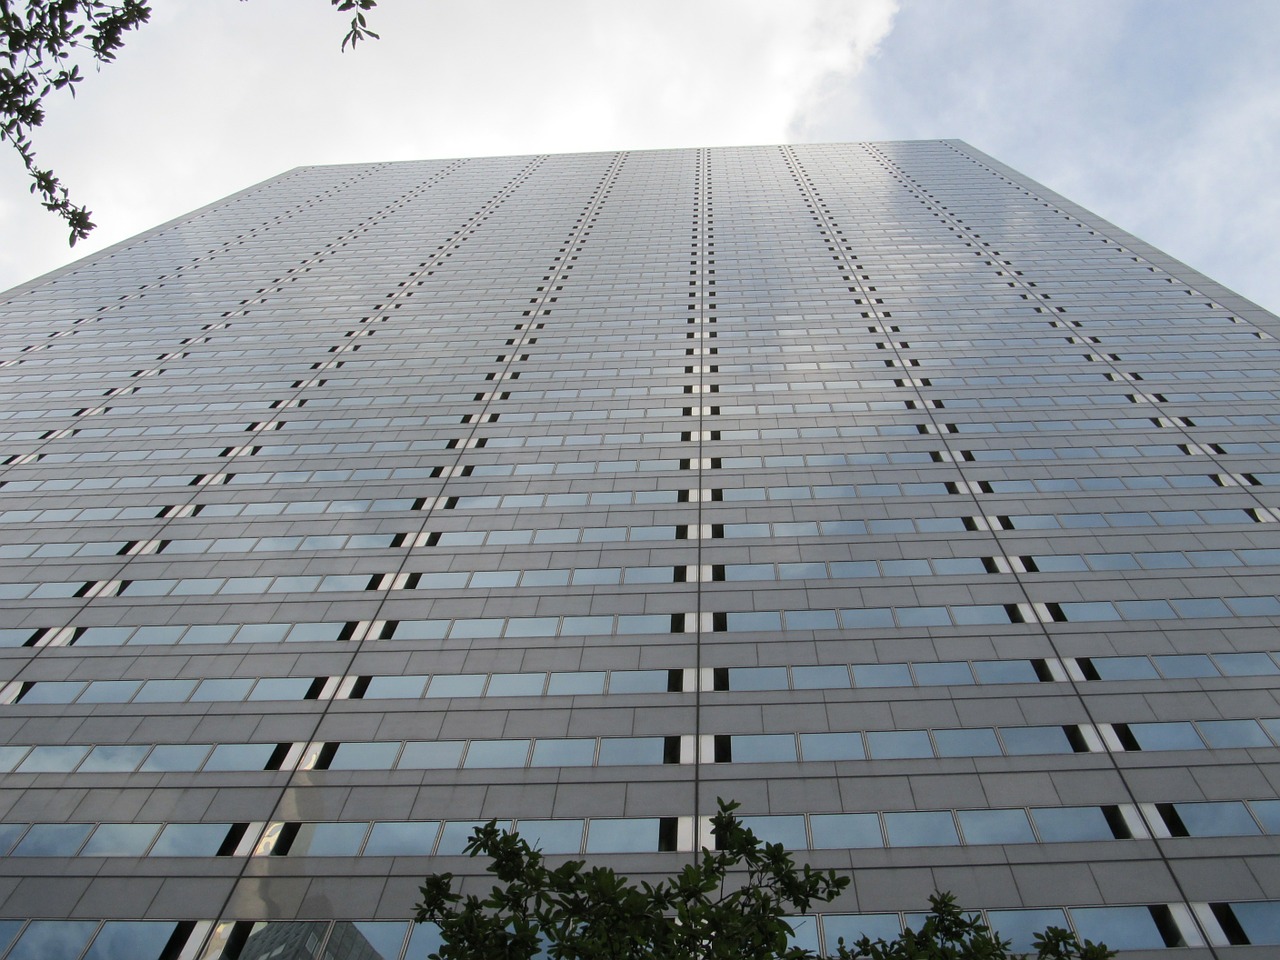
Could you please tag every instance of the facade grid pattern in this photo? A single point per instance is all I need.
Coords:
(872, 485)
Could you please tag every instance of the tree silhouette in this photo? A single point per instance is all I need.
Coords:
(732, 903)
(44, 44)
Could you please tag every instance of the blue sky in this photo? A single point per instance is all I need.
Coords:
(1163, 117)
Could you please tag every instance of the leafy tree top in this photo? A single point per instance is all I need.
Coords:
(731, 903)
(44, 44)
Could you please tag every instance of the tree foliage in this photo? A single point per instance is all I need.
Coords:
(43, 46)
(731, 903)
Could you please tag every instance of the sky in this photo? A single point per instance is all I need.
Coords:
(1162, 116)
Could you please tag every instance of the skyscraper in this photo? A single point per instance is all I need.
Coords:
(874, 486)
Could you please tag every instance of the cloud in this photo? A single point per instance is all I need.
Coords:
(1159, 117)
(212, 97)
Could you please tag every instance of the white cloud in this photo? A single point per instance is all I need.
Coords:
(1160, 117)
(214, 96)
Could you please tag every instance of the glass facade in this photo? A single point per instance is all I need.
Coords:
(872, 485)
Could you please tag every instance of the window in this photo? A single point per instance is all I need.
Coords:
(552, 836)
(934, 828)
(995, 826)
(899, 744)
(975, 742)
(634, 835)
(191, 840)
(1072, 824)
(1176, 735)
(43, 939)
(399, 838)
(52, 840)
(120, 840)
(496, 753)
(831, 746)
(1021, 926)
(1022, 741)
(845, 830)
(1120, 928)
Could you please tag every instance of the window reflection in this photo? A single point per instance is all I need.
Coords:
(131, 940)
(53, 939)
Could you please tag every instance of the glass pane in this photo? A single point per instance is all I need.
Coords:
(176, 756)
(881, 675)
(9, 756)
(113, 759)
(130, 940)
(365, 940)
(852, 927)
(8, 930)
(52, 840)
(928, 828)
(1233, 733)
(52, 760)
(1246, 664)
(1188, 665)
(297, 941)
(222, 689)
(120, 840)
(1223, 819)
(190, 840)
(1021, 741)
(408, 687)
(1268, 813)
(240, 756)
(281, 688)
(9, 832)
(328, 840)
(53, 691)
(820, 678)
(978, 742)
(423, 941)
(564, 753)
(947, 673)
(457, 685)
(1178, 735)
(932, 828)
(633, 835)
(831, 746)
(53, 940)
(402, 838)
(165, 691)
(564, 684)
(365, 756)
(840, 830)
(1259, 920)
(1005, 671)
(1124, 668)
(497, 753)
(764, 748)
(516, 685)
(1066, 824)
(431, 755)
(638, 681)
(457, 833)
(622, 751)
(110, 691)
(899, 744)
(786, 830)
(995, 826)
(1120, 928)
(757, 678)
(552, 836)
(804, 933)
(1021, 926)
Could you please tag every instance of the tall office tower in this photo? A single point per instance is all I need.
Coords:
(873, 486)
